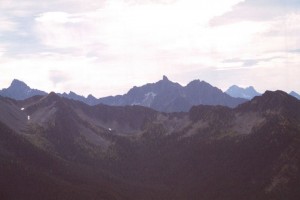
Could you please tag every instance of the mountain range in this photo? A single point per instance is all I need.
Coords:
(249, 92)
(164, 95)
(168, 96)
(294, 94)
(239, 92)
(52, 147)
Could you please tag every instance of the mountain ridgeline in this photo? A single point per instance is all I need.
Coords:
(52, 147)
(19, 90)
(294, 94)
(164, 95)
(168, 96)
(238, 92)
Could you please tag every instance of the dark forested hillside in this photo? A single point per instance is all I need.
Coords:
(57, 148)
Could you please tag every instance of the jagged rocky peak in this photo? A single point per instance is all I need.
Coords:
(18, 84)
(164, 81)
(19, 90)
(73, 95)
(165, 78)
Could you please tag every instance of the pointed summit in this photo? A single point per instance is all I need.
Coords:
(19, 90)
(74, 96)
(165, 78)
(168, 96)
(18, 84)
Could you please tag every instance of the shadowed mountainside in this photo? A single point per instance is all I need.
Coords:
(56, 148)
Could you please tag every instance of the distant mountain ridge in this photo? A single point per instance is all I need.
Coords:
(239, 92)
(168, 96)
(164, 95)
(19, 90)
(294, 94)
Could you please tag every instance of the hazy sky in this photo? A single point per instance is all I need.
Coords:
(105, 47)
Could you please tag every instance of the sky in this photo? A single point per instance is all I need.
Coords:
(105, 47)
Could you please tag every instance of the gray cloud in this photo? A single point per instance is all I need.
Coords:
(250, 62)
(296, 51)
(257, 10)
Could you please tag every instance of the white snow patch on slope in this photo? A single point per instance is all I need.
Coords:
(149, 97)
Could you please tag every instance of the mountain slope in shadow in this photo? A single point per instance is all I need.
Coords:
(70, 150)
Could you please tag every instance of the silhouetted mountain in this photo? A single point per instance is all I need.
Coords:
(73, 95)
(294, 94)
(238, 92)
(66, 149)
(277, 101)
(163, 95)
(31, 168)
(168, 96)
(19, 90)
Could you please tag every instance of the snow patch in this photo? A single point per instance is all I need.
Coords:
(22, 108)
(28, 117)
(150, 95)
(135, 104)
(245, 96)
(148, 99)
(109, 129)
